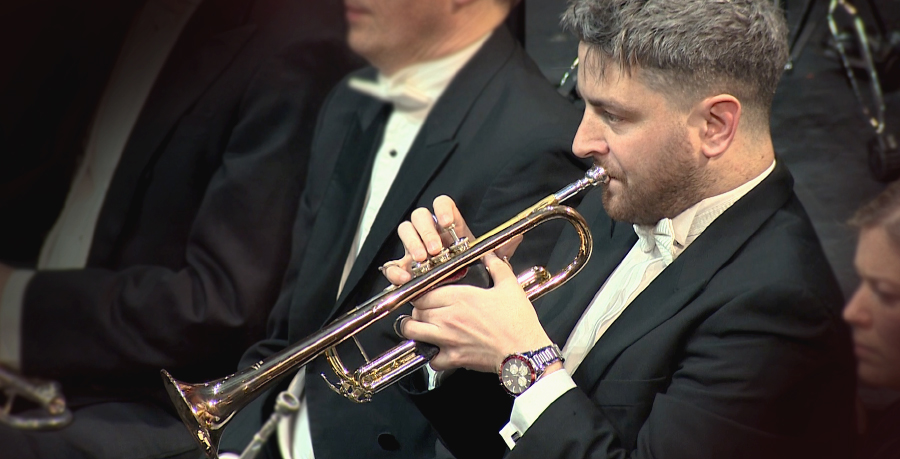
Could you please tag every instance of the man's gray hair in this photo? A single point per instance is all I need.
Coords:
(690, 48)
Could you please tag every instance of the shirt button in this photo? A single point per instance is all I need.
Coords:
(388, 442)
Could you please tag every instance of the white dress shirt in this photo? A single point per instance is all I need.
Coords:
(413, 92)
(145, 49)
(656, 248)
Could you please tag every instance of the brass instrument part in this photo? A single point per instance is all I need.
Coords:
(47, 394)
(206, 408)
(404, 359)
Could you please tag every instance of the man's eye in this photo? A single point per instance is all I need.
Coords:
(887, 298)
(611, 118)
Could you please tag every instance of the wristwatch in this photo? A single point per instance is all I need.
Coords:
(519, 371)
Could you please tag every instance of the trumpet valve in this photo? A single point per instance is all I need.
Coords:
(446, 254)
(452, 230)
(417, 269)
(460, 246)
(442, 257)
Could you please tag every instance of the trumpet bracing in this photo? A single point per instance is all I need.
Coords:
(207, 407)
(47, 394)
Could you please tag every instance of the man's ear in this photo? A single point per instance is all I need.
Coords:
(721, 115)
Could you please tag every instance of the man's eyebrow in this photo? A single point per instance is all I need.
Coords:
(598, 102)
(604, 103)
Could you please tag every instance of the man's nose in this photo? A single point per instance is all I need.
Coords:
(589, 140)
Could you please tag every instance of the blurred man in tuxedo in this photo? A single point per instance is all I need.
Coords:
(192, 150)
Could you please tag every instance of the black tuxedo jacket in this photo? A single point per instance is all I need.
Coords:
(194, 234)
(190, 246)
(497, 141)
(193, 237)
(57, 59)
(736, 350)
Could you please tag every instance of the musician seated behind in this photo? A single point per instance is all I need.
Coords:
(874, 315)
(707, 322)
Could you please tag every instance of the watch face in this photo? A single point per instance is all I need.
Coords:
(516, 374)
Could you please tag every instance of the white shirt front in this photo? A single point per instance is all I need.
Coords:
(413, 92)
(146, 47)
(643, 263)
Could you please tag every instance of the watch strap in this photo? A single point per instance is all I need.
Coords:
(544, 357)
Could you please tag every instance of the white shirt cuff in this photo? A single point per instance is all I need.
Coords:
(11, 318)
(434, 377)
(529, 406)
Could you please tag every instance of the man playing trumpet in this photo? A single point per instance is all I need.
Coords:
(450, 104)
(707, 324)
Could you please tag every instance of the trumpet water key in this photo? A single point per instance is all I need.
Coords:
(207, 407)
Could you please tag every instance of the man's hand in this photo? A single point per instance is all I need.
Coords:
(477, 328)
(425, 235)
(474, 328)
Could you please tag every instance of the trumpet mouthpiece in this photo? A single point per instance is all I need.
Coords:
(597, 175)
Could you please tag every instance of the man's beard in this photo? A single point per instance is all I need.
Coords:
(666, 191)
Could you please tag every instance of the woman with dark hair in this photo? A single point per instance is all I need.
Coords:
(874, 315)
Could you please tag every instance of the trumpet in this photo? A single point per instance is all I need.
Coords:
(206, 408)
(47, 394)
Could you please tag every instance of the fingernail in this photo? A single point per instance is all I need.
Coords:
(433, 247)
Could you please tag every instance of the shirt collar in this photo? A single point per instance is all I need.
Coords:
(689, 224)
(419, 85)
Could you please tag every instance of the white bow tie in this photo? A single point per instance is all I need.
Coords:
(662, 236)
(403, 96)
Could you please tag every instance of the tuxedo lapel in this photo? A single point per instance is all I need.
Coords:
(688, 275)
(416, 170)
(433, 145)
(611, 242)
(193, 65)
(336, 223)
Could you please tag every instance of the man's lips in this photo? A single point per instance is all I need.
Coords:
(612, 176)
(609, 173)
